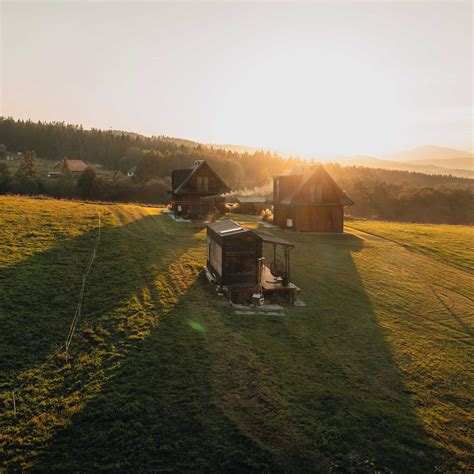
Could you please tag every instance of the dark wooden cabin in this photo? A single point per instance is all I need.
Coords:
(193, 187)
(312, 202)
(234, 258)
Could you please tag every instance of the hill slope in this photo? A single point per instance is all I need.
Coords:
(430, 152)
(423, 166)
(374, 372)
(453, 163)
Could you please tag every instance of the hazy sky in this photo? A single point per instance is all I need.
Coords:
(304, 78)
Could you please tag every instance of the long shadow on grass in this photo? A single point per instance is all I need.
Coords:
(143, 392)
(329, 395)
(159, 412)
(40, 295)
(349, 406)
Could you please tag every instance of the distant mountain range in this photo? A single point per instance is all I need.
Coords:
(426, 159)
(429, 160)
(434, 155)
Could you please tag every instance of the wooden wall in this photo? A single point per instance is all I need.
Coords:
(281, 213)
(287, 185)
(329, 194)
(310, 218)
(214, 257)
(318, 218)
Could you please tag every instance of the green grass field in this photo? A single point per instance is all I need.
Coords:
(373, 375)
(449, 243)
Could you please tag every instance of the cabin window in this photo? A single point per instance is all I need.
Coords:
(277, 189)
(319, 193)
(203, 184)
(316, 193)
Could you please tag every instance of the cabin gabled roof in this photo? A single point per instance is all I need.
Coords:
(343, 198)
(75, 166)
(227, 227)
(180, 178)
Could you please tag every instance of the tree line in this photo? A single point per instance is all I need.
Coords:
(385, 194)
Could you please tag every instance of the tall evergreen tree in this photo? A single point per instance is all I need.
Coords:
(86, 182)
(5, 178)
(28, 168)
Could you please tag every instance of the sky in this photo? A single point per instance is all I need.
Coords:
(302, 78)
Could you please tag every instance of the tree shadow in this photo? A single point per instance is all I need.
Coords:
(40, 294)
(129, 400)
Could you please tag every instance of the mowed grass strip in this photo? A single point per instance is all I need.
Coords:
(449, 243)
(373, 374)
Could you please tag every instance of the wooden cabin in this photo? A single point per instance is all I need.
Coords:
(193, 187)
(312, 202)
(235, 260)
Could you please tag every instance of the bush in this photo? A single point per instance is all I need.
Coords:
(267, 216)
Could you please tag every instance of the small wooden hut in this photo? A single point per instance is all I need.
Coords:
(235, 260)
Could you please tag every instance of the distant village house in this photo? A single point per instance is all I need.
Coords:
(311, 202)
(193, 189)
(75, 167)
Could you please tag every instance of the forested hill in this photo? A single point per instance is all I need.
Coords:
(387, 194)
(153, 156)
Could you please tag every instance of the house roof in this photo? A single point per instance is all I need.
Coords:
(184, 176)
(342, 199)
(178, 177)
(227, 227)
(272, 239)
(77, 166)
(230, 227)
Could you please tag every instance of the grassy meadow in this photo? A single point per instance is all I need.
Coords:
(373, 375)
(449, 243)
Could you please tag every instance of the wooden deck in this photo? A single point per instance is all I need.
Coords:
(275, 286)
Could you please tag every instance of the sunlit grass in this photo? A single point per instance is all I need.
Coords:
(374, 373)
(451, 243)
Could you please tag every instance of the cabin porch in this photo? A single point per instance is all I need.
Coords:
(274, 288)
